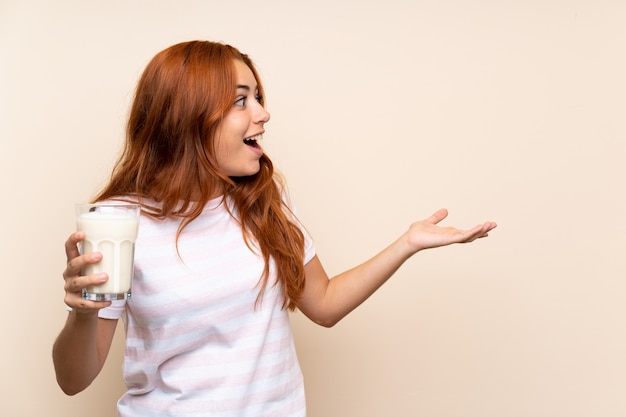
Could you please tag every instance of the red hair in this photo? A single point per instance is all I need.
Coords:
(169, 156)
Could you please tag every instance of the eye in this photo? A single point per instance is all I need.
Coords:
(259, 98)
(240, 102)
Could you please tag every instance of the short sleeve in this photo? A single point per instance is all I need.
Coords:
(114, 311)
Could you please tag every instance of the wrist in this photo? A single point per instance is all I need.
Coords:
(84, 314)
(406, 247)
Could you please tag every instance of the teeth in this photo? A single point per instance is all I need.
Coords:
(255, 138)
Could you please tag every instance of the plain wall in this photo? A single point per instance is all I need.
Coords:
(382, 112)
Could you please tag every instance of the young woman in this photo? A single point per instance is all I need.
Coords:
(220, 257)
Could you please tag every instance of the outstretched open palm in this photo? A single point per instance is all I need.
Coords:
(427, 233)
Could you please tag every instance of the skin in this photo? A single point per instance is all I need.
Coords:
(245, 120)
(81, 348)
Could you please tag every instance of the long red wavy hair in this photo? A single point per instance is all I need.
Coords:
(169, 157)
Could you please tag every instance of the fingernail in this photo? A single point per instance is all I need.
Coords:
(96, 256)
(102, 276)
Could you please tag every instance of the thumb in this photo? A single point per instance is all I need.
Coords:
(438, 216)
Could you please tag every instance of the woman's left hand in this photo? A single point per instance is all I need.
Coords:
(427, 233)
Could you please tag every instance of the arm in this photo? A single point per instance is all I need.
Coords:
(326, 301)
(81, 348)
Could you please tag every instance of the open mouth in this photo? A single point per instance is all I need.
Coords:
(253, 141)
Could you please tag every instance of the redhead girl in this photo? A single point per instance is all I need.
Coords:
(220, 258)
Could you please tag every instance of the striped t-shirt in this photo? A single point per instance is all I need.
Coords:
(196, 344)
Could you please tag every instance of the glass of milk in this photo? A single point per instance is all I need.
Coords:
(110, 229)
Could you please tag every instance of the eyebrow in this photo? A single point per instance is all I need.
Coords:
(245, 87)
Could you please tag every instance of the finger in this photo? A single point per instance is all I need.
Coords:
(71, 245)
(77, 302)
(487, 227)
(76, 284)
(76, 265)
(438, 216)
(474, 233)
(480, 231)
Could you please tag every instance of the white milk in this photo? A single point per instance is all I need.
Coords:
(112, 233)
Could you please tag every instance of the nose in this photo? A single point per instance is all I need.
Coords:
(261, 115)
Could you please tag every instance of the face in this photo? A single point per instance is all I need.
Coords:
(238, 135)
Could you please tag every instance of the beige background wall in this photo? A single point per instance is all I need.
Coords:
(382, 112)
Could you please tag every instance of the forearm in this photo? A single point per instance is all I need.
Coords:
(349, 289)
(333, 299)
(77, 359)
(327, 301)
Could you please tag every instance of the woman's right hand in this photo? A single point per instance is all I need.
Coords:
(75, 282)
(80, 350)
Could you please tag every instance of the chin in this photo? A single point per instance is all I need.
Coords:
(246, 174)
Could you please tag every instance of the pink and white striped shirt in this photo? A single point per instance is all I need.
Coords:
(195, 343)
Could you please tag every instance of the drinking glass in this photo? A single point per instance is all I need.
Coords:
(110, 229)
